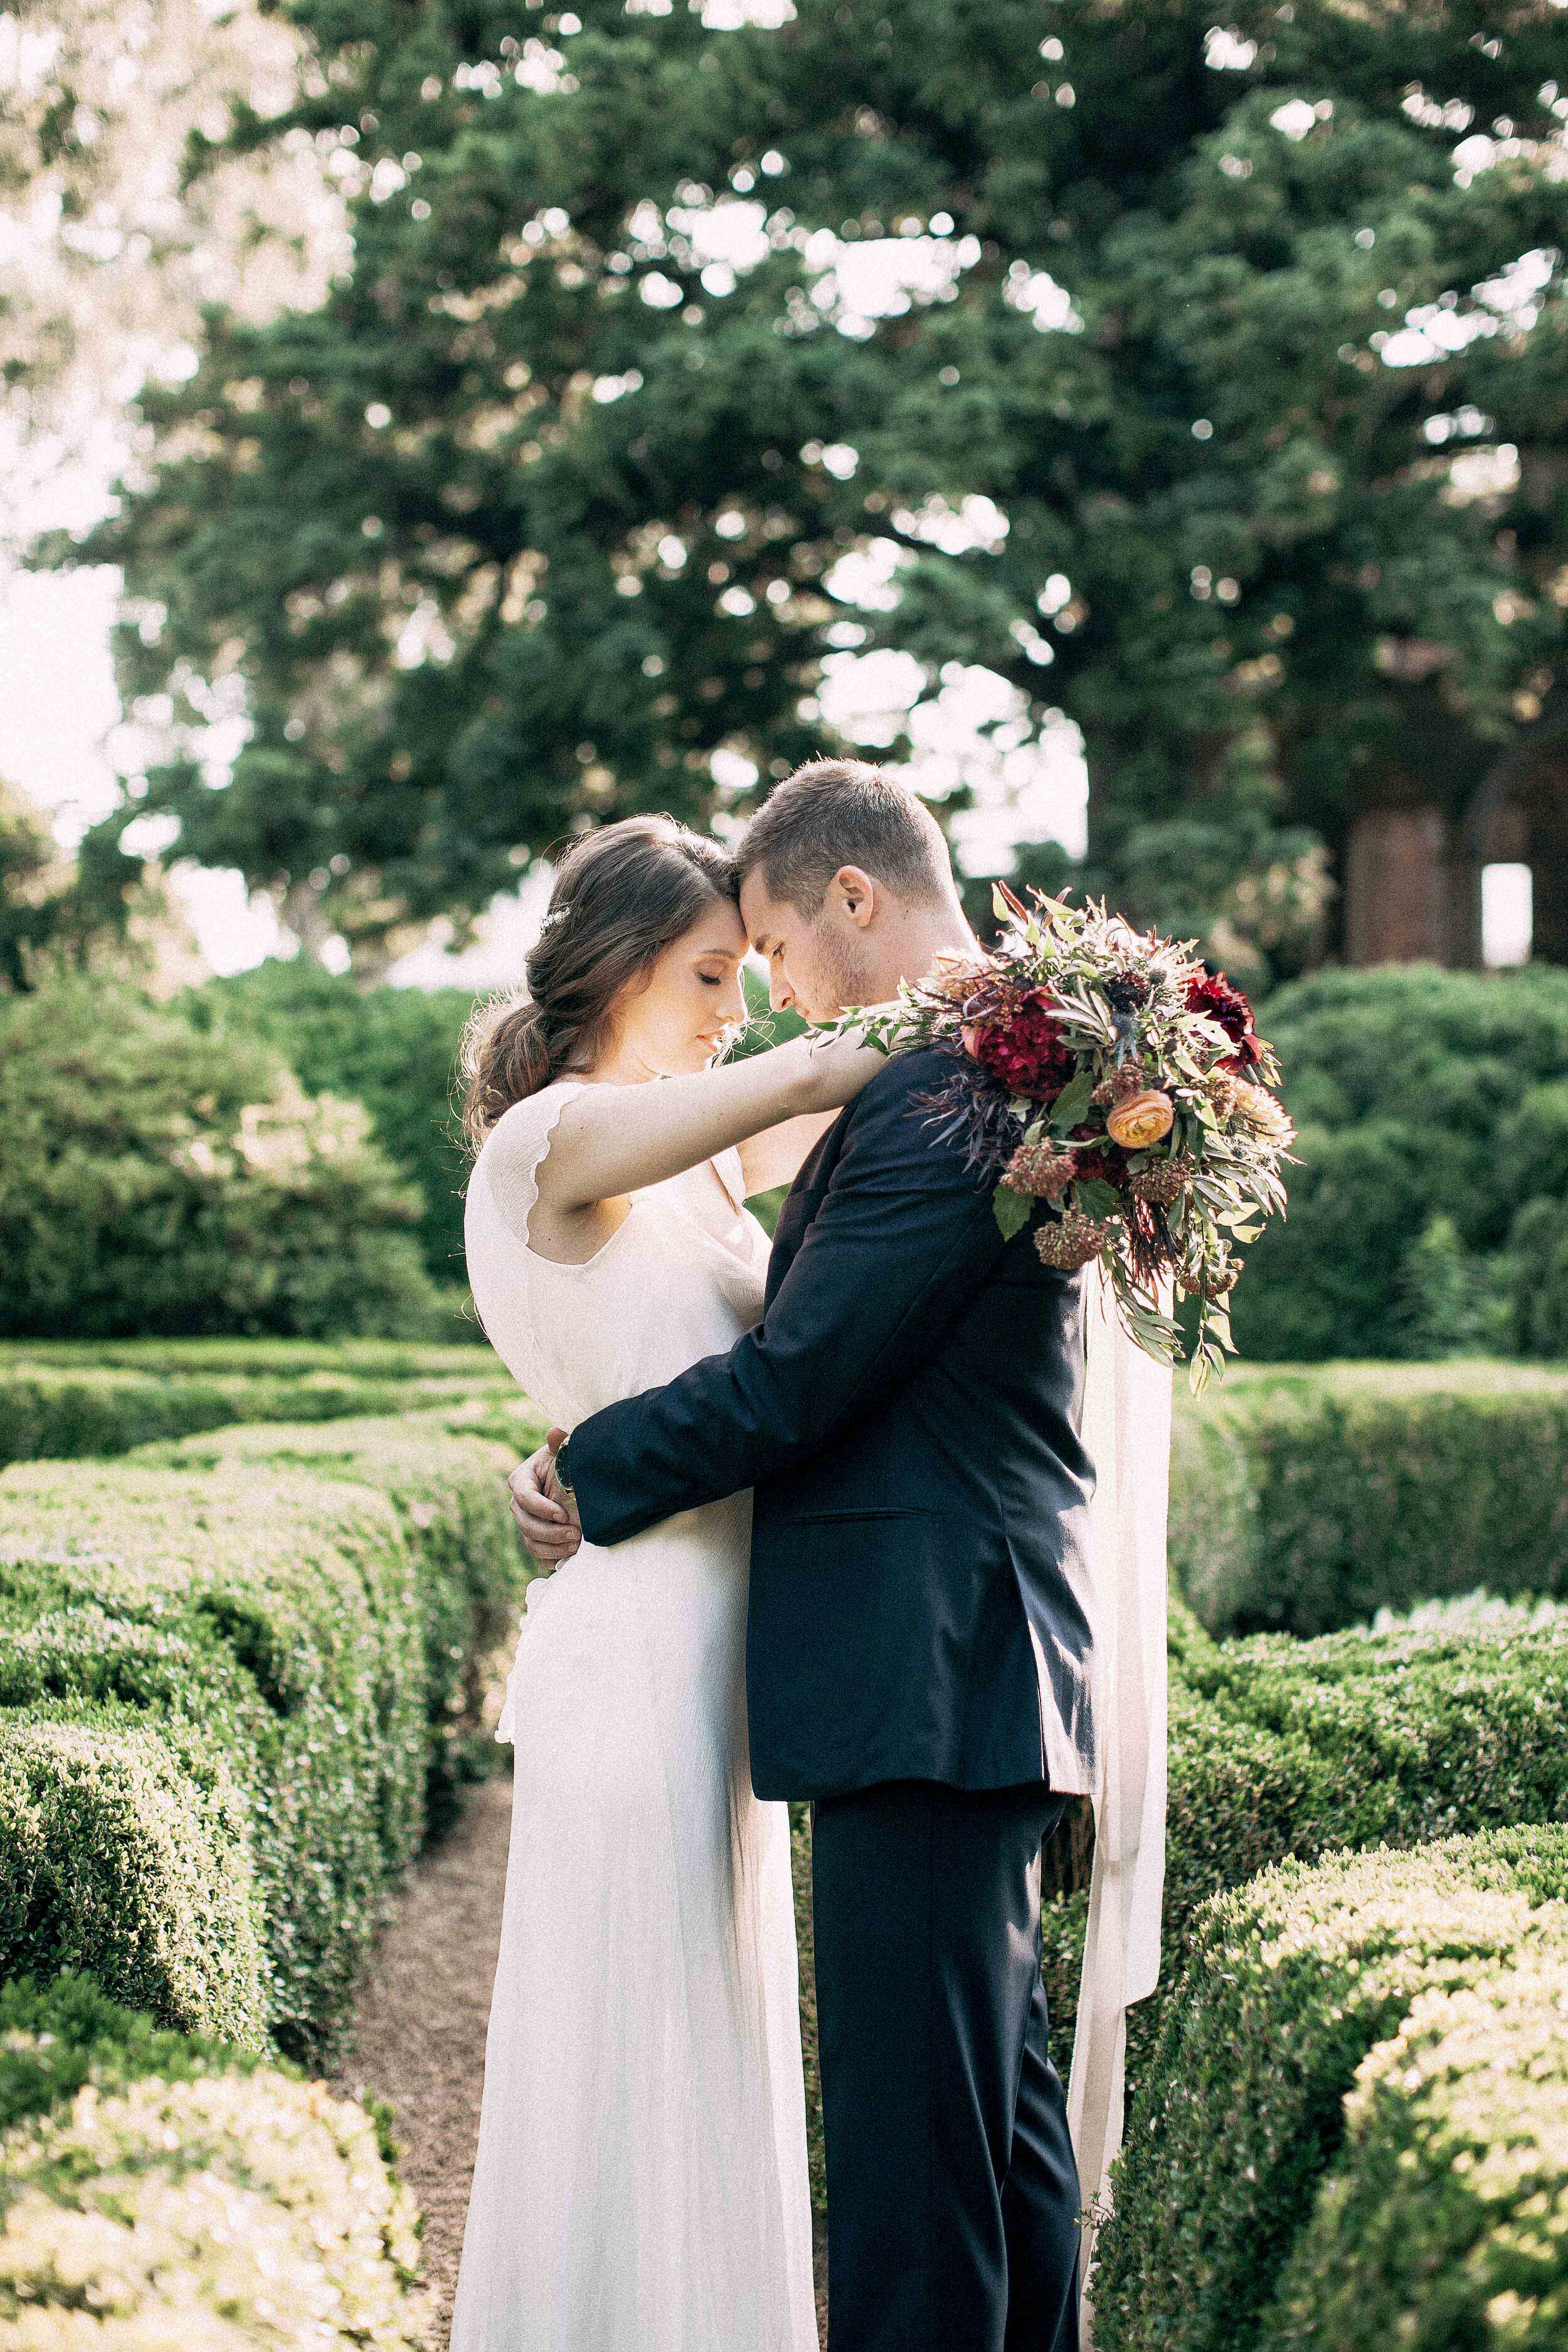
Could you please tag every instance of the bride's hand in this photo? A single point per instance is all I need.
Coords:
(841, 1063)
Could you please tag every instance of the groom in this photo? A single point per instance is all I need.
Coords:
(908, 1413)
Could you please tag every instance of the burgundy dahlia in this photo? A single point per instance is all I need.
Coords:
(1105, 1162)
(1213, 995)
(1023, 1044)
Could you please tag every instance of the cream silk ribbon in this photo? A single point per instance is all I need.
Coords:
(1127, 1432)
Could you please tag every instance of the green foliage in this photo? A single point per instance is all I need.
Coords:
(1397, 2205)
(1539, 1248)
(1446, 2220)
(466, 1366)
(449, 1493)
(534, 419)
(1282, 1748)
(1419, 1094)
(153, 1180)
(1444, 1308)
(56, 1409)
(392, 1049)
(57, 2034)
(126, 1851)
(278, 1621)
(157, 2189)
(1301, 1510)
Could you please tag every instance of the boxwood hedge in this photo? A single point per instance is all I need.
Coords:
(295, 1630)
(1257, 2206)
(1283, 1749)
(63, 1411)
(156, 2189)
(447, 1482)
(1446, 2222)
(1304, 1508)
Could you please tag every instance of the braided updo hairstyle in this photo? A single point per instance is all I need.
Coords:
(622, 895)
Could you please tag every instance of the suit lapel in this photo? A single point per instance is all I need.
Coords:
(803, 1201)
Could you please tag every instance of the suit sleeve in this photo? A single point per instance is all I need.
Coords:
(903, 1238)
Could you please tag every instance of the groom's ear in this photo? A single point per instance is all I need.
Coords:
(853, 894)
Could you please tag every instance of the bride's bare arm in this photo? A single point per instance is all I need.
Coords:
(776, 1155)
(614, 1139)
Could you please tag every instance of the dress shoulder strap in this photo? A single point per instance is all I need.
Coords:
(516, 1148)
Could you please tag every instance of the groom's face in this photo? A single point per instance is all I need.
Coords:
(816, 963)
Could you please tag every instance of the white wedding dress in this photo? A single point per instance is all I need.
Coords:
(641, 2181)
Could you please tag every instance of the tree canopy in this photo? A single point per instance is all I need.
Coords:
(1219, 403)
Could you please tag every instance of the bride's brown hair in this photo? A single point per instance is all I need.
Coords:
(622, 895)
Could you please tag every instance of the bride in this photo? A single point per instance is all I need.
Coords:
(641, 2177)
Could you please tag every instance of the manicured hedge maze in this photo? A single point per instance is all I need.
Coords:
(1281, 1748)
(158, 2189)
(67, 1400)
(446, 1488)
(1309, 1505)
(1355, 2130)
(227, 1692)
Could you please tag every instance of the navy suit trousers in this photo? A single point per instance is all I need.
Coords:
(951, 2191)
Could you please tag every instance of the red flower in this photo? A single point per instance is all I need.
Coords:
(1104, 1163)
(1213, 995)
(1023, 1044)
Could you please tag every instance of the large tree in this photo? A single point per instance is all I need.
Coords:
(1223, 409)
(109, 240)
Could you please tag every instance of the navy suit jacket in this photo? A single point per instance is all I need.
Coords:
(908, 1411)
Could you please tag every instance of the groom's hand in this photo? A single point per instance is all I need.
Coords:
(545, 1513)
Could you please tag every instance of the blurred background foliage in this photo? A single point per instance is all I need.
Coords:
(163, 1179)
(1219, 403)
(1429, 1212)
(1203, 383)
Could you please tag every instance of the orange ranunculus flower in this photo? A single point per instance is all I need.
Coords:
(1142, 1119)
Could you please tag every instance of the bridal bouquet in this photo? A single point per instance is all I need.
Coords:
(1106, 1075)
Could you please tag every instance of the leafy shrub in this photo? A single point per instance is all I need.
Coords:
(310, 1596)
(392, 1049)
(1297, 1508)
(450, 1495)
(160, 2190)
(395, 1361)
(1446, 2222)
(1281, 1750)
(1417, 1091)
(126, 1848)
(56, 1412)
(156, 1179)
(62, 2033)
(1238, 2150)
(1539, 1253)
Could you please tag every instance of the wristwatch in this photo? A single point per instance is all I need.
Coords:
(562, 1469)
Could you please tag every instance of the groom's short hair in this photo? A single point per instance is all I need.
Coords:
(836, 813)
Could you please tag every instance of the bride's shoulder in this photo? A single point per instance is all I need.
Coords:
(524, 1129)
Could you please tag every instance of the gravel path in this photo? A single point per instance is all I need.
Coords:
(419, 2022)
(418, 2039)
